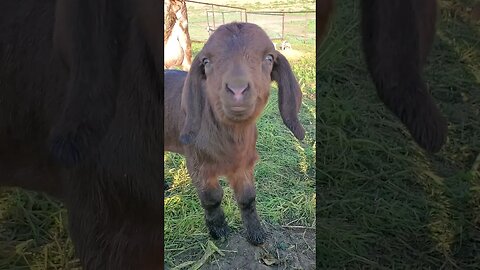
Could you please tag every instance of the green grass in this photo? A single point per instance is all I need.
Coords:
(33, 232)
(284, 176)
(383, 203)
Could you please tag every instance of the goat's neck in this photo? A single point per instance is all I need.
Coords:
(220, 140)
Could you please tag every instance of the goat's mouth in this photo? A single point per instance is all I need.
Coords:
(238, 113)
(238, 109)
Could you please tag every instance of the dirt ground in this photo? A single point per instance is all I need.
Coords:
(286, 248)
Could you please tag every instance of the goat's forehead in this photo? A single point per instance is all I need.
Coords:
(234, 38)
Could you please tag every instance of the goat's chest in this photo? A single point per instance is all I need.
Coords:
(231, 160)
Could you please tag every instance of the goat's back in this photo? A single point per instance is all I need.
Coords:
(174, 117)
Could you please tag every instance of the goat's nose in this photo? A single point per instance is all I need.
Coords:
(238, 90)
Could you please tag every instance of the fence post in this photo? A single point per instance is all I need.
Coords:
(246, 16)
(306, 29)
(283, 26)
(213, 16)
(223, 17)
(208, 23)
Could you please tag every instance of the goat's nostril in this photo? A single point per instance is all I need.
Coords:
(237, 90)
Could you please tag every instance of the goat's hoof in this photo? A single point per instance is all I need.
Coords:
(429, 128)
(431, 140)
(256, 237)
(218, 230)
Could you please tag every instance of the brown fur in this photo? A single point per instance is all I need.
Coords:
(397, 36)
(324, 11)
(81, 119)
(202, 124)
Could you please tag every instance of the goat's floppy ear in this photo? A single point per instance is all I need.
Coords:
(193, 101)
(289, 95)
(90, 97)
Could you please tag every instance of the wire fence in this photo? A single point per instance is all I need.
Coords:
(285, 25)
(204, 18)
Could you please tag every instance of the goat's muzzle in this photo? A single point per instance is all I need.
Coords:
(238, 91)
(238, 98)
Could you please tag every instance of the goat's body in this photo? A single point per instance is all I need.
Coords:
(173, 117)
(224, 149)
(26, 115)
(219, 150)
(113, 196)
(211, 113)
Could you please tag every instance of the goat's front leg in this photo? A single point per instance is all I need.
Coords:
(397, 37)
(244, 188)
(210, 193)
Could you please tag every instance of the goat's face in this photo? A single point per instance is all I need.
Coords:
(233, 72)
(237, 62)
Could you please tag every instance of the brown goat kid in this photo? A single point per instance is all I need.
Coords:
(210, 116)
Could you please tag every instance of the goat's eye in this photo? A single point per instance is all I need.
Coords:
(269, 58)
(205, 61)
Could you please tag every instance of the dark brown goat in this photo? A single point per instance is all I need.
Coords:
(81, 118)
(210, 116)
(397, 36)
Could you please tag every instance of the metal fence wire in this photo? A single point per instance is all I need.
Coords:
(204, 18)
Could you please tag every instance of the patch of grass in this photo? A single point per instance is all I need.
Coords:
(284, 176)
(33, 232)
(383, 203)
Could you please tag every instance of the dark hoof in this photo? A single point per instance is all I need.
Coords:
(218, 230)
(417, 110)
(427, 126)
(256, 237)
(432, 136)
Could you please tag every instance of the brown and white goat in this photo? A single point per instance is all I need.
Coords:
(210, 116)
(177, 44)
